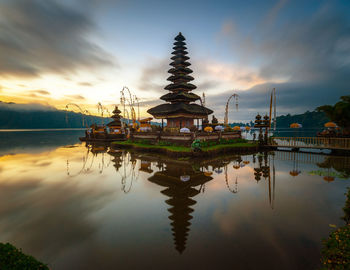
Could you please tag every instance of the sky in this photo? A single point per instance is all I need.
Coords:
(85, 51)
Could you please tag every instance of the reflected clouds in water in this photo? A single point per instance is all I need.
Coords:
(101, 208)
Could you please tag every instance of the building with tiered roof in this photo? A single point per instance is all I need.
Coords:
(116, 125)
(180, 109)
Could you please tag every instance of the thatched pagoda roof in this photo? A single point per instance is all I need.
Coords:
(180, 37)
(179, 44)
(116, 110)
(179, 109)
(180, 70)
(179, 47)
(115, 123)
(116, 114)
(179, 63)
(180, 57)
(182, 77)
(180, 86)
(180, 96)
(180, 51)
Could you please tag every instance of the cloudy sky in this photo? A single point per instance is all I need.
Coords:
(85, 51)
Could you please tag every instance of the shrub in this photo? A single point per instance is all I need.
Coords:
(211, 143)
(12, 258)
(346, 209)
(336, 249)
(223, 141)
(204, 144)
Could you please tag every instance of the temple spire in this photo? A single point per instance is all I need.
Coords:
(180, 109)
(180, 78)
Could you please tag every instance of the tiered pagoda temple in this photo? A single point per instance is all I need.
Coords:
(180, 111)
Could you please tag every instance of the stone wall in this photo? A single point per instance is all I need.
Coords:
(184, 138)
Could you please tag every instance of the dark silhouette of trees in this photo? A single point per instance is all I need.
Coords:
(339, 113)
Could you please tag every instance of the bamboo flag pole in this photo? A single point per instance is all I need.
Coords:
(270, 108)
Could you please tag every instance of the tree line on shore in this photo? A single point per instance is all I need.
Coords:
(24, 119)
(12, 119)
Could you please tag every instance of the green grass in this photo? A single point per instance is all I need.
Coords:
(183, 158)
(151, 146)
(176, 148)
(12, 258)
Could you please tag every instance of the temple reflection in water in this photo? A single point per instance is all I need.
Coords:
(182, 183)
(184, 180)
(117, 204)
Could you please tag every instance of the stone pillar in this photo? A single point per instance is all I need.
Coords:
(261, 137)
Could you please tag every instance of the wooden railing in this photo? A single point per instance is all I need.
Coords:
(311, 142)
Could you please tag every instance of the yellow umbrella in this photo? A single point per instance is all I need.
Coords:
(328, 178)
(208, 129)
(247, 128)
(295, 125)
(208, 173)
(330, 125)
(236, 128)
(294, 173)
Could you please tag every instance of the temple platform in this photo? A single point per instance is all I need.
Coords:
(184, 138)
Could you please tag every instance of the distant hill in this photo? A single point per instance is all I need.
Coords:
(308, 120)
(34, 116)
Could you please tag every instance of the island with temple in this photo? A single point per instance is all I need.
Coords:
(184, 128)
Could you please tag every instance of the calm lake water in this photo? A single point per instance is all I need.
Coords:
(78, 207)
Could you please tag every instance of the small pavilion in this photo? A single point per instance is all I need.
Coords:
(116, 125)
(180, 110)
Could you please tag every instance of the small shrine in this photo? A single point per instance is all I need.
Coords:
(115, 127)
(145, 124)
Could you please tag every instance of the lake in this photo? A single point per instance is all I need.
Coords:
(74, 206)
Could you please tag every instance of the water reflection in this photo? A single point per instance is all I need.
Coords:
(263, 165)
(90, 207)
(35, 141)
(182, 184)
